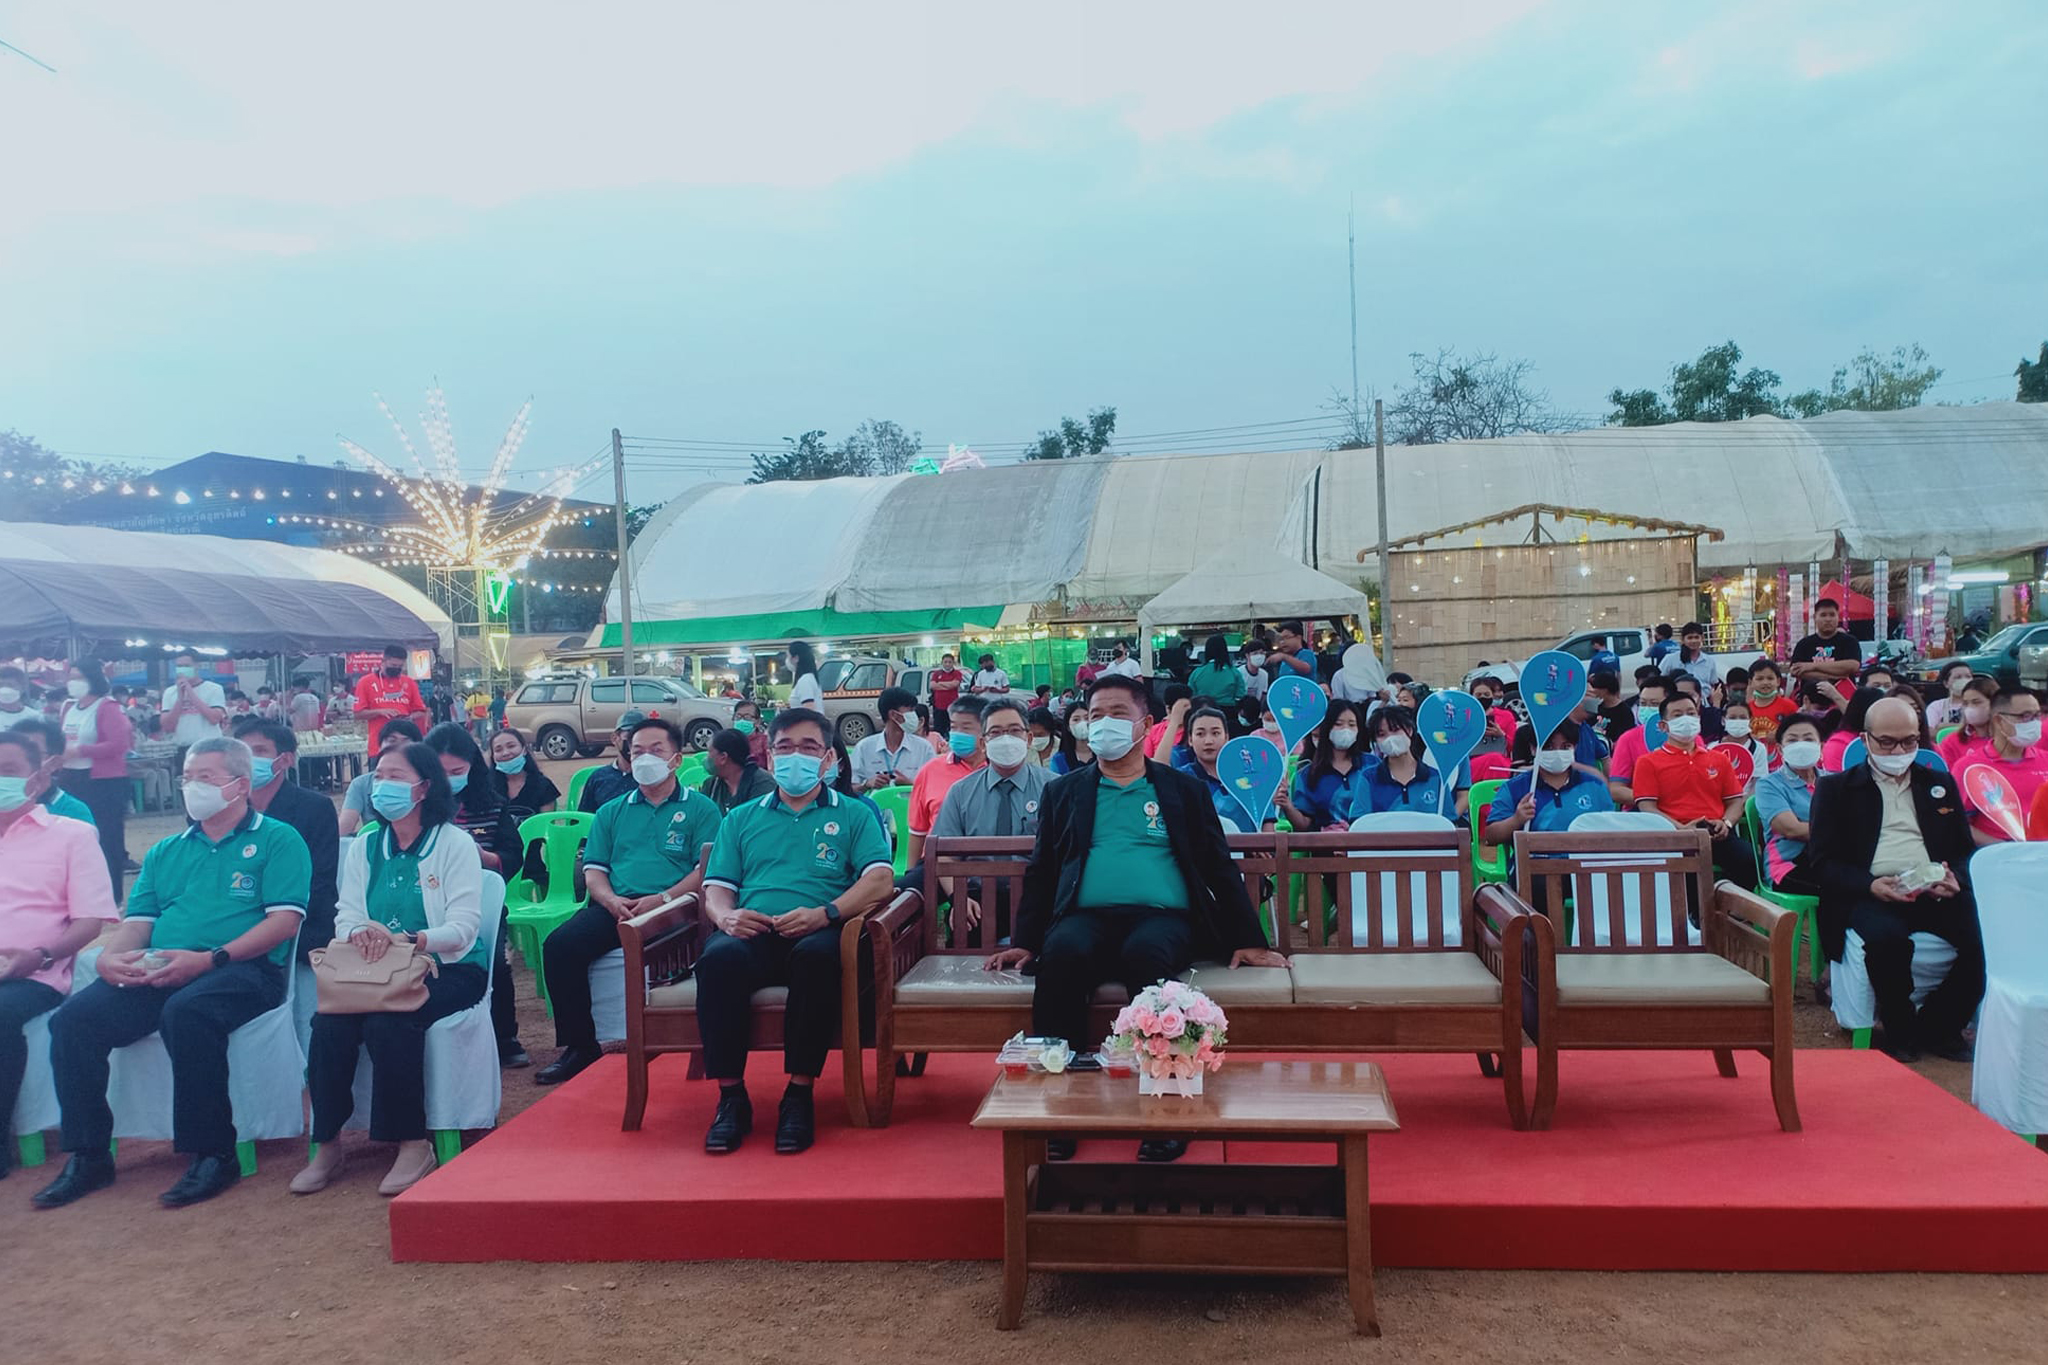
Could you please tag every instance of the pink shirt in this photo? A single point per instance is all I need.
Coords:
(2027, 776)
(1831, 752)
(1628, 751)
(52, 874)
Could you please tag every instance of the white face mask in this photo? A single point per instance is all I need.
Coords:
(1343, 739)
(1803, 753)
(1892, 765)
(9, 696)
(1109, 737)
(1977, 713)
(1395, 745)
(1684, 729)
(1040, 743)
(910, 722)
(1737, 729)
(203, 800)
(650, 770)
(1957, 683)
(2026, 733)
(1554, 760)
(1007, 751)
(1255, 661)
(77, 688)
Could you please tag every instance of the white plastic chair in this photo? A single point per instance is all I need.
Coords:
(1406, 822)
(608, 996)
(464, 1084)
(35, 1107)
(2010, 1080)
(266, 1078)
(1855, 1003)
(1596, 914)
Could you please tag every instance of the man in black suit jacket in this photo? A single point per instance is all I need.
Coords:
(1131, 878)
(1871, 824)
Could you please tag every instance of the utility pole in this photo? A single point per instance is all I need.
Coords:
(1379, 451)
(626, 562)
(1351, 232)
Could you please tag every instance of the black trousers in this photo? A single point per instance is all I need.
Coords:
(1139, 948)
(566, 957)
(398, 1057)
(1887, 931)
(1735, 860)
(195, 1020)
(504, 1009)
(20, 1001)
(730, 970)
(107, 799)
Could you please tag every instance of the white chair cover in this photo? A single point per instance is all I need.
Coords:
(266, 1076)
(464, 1084)
(608, 996)
(1855, 1003)
(1406, 822)
(35, 1108)
(2010, 1080)
(1596, 914)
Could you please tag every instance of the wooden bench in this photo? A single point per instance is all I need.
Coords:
(1427, 974)
(1724, 985)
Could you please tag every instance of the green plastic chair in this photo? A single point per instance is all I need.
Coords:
(694, 768)
(532, 916)
(1944, 732)
(1485, 868)
(577, 781)
(895, 803)
(1806, 907)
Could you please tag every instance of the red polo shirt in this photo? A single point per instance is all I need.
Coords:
(1687, 784)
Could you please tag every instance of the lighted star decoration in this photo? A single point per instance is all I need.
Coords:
(462, 525)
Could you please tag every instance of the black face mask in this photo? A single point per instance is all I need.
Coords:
(393, 670)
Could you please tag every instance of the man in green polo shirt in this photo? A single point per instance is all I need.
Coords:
(643, 851)
(202, 950)
(784, 873)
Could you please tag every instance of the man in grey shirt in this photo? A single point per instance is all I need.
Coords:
(1000, 799)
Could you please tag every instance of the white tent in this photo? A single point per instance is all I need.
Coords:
(1248, 582)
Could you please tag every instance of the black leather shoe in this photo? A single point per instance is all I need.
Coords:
(572, 1060)
(796, 1122)
(733, 1121)
(1162, 1149)
(512, 1055)
(1956, 1049)
(1907, 1053)
(1060, 1149)
(206, 1177)
(83, 1174)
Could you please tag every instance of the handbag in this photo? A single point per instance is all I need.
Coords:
(348, 983)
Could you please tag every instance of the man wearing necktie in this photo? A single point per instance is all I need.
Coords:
(998, 801)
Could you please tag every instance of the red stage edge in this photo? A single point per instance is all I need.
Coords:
(1654, 1163)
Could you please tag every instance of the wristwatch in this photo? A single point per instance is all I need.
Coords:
(221, 958)
(832, 915)
(49, 960)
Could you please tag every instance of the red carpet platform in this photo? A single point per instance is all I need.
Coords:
(1655, 1163)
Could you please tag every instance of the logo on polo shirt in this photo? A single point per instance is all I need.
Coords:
(1031, 807)
(242, 884)
(248, 850)
(831, 826)
(828, 856)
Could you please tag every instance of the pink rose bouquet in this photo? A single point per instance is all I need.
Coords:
(1175, 1033)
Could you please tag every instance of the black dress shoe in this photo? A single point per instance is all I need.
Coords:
(572, 1060)
(206, 1177)
(1956, 1049)
(1162, 1149)
(1060, 1149)
(796, 1122)
(83, 1174)
(733, 1121)
(512, 1055)
(1906, 1053)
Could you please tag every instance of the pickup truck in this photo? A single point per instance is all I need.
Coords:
(2017, 656)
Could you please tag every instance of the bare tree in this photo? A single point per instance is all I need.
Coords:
(1468, 398)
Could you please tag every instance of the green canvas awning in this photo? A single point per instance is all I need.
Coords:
(821, 624)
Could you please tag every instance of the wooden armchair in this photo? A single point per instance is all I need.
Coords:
(1611, 983)
(661, 949)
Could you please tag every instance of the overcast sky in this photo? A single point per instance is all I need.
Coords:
(225, 225)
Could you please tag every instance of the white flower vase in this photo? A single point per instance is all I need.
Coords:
(1149, 1084)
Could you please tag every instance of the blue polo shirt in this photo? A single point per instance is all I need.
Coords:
(1555, 808)
(1235, 821)
(1373, 791)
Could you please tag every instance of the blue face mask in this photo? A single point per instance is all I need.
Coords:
(392, 800)
(962, 745)
(797, 774)
(13, 793)
(514, 764)
(458, 782)
(261, 771)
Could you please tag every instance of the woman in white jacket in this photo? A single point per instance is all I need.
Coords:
(419, 878)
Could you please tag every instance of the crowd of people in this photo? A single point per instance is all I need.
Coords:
(783, 839)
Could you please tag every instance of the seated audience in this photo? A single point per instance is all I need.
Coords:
(643, 852)
(1784, 804)
(355, 802)
(1690, 785)
(963, 756)
(1634, 743)
(784, 873)
(1947, 709)
(202, 949)
(1737, 728)
(1218, 679)
(1851, 728)
(1548, 797)
(489, 823)
(1401, 781)
(1130, 881)
(735, 778)
(55, 897)
(746, 718)
(523, 789)
(1321, 783)
(1589, 752)
(2015, 752)
(1608, 714)
(1768, 704)
(1074, 753)
(1870, 824)
(16, 698)
(1045, 735)
(1978, 695)
(615, 778)
(1167, 740)
(893, 755)
(273, 754)
(420, 880)
(1208, 733)
(49, 742)
(1001, 799)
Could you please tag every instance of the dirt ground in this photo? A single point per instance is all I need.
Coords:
(258, 1276)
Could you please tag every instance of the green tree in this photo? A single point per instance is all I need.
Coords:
(809, 457)
(1075, 439)
(38, 484)
(885, 444)
(1713, 388)
(2033, 377)
(1871, 383)
(1454, 397)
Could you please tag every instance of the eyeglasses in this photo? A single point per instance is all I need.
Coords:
(1891, 744)
(1008, 731)
(809, 748)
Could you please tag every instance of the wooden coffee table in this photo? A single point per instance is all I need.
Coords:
(1210, 1218)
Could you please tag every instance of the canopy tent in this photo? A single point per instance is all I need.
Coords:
(1248, 582)
(93, 585)
(1855, 606)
